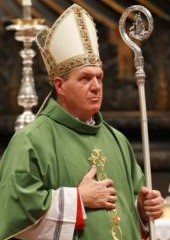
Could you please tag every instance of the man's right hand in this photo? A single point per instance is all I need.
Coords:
(97, 194)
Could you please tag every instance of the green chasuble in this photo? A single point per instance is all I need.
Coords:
(56, 151)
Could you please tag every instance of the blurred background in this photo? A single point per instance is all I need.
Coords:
(121, 103)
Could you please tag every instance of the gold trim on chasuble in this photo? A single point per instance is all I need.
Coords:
(97, 158)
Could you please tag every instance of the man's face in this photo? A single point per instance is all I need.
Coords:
(81, 94)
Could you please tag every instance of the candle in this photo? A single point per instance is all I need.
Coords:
(26, 3)
(26, 9)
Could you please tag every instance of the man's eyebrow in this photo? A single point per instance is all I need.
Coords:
(84, 72)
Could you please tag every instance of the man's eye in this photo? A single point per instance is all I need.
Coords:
(84, 80)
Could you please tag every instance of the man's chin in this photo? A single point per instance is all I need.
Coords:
(95, 110)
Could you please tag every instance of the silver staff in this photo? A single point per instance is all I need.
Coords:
(138, 32)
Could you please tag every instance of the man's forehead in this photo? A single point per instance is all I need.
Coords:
(88, 70)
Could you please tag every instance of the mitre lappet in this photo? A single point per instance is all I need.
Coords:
(71, 42)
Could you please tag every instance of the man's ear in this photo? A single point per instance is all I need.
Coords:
(58, 85)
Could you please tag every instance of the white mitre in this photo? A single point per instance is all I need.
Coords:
(69, 43)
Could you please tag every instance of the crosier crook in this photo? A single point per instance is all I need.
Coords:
(137, 31)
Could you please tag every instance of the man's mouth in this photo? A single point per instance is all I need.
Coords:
(95, 98)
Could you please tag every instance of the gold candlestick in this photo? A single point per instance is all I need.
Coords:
(26, 30)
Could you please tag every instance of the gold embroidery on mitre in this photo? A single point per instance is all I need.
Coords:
(66, 66)
(97, 158)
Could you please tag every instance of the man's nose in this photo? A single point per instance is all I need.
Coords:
(96, 83)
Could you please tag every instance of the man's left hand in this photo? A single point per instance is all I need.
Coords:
(150, 204)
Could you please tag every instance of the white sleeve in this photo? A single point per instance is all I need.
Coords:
(59, 221)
